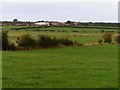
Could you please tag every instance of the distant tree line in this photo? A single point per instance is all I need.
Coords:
(68, 23)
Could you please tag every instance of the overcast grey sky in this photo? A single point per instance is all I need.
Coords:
(61, 11)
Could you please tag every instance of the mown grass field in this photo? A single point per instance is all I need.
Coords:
(72, 67)
(68, 67)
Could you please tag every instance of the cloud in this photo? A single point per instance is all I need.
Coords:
(82, 11)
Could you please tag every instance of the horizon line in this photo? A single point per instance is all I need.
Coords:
(60, 21)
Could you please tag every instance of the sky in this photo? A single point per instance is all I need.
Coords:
(60, 10)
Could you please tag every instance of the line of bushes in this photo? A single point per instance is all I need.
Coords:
(26, 28)
(27, 42)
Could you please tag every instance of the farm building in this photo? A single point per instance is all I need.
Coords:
(76, 23)
(55, 23)
(42, 24)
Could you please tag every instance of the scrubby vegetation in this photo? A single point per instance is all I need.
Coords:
(117, 38)
(27, 42)
(5, 42)
(107, 38)
(6, 45)
(46, 41)
(51, 38)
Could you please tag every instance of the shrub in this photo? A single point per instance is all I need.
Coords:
(117, 38)
(12, 47)
(118, 32)
(47, 41)
(5, 42)
(100, 41)
(102, 31)
(43, 41)
(55, 42)
(26, 42)
(107, 38)
(65, 42)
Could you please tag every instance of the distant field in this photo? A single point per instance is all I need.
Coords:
(72, 67)
(83, 35)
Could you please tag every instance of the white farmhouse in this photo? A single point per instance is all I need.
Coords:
(42, 24)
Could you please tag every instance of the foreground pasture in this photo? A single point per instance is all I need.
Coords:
(72, 67)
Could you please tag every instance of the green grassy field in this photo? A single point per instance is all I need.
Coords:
(70, 67)
(84, 35)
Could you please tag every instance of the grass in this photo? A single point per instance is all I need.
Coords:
(75, 36)
(70, 67)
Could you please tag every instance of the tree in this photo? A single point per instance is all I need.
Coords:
(15, 20)
(68, 22)
(29, 23)
(5, 42)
